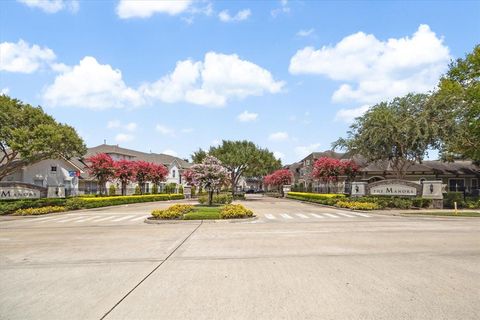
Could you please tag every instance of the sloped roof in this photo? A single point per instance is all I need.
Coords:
(159, 158)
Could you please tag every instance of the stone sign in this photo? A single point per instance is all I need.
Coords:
(394, 187)
(393, 190)
(7, 193)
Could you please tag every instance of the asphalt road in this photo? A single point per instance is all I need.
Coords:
(320, 263)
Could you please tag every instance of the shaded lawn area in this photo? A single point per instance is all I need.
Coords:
(446, 213)
(203, 213)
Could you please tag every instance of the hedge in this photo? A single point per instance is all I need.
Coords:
(355, 205)
(38, 211)
(97, 202)
(322, 198)
(10, 206)
(217, 199)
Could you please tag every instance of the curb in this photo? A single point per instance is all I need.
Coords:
(237, 220)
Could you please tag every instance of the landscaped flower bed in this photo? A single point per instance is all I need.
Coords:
(97, 202)
(38, 211)
(199, 212)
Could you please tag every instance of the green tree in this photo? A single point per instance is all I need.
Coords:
(399, 132)
(198, 156)
(456, 107)
(244, 158)
(29, 135)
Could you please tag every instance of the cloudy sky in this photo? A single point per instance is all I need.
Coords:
(173, 76)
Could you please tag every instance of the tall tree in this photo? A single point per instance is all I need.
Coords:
(278, 179)
(244, 158)
(143, 173)
(29, 135)
(399, 132)
(125, 172)
(102, 167)
(210, 175)
(198, 156)
(158, 173)
(455, 106)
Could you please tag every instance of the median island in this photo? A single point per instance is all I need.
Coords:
(202, 212)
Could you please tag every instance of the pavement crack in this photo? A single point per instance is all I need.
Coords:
(151, 272)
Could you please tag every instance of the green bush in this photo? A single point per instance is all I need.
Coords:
(194, 191)
(37, 211)
(10, 206)
(154, 189)
(170, 188)
(231, 211)
(97, 202)
(180, 189)
(137, 190)
(112, 190)
(422, 203)
(322, 198)
(357, 205)
(452, 197)
(173, 212)
(472, 204)
(239, 196)
(217, 199)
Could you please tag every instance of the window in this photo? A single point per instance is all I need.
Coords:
(474, 184)
(456, 184)
(53, 169)
(38, 182)
(173, 173)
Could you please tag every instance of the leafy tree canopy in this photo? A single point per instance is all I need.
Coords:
(399, 132)
(244, 158)
(29, 135)
(455, 106)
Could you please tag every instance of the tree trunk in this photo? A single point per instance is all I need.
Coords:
(124, 188)
(210, 197)
(234, 183)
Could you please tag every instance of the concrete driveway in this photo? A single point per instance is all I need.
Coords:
(375, 267)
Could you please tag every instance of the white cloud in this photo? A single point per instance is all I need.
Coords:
(278, 155)
(131, 126)
(53, 6)
(170, 152)
(349, 115)
(303, 151)
(113, 124)
(4, 91)
(91, 85)
(246, 116)
(123, 137)
(213, 82)
(23, 57)
(187, 130)
(278, 136)
(241, 15)
(127, 9)
(376, 70)
(305, 33)
(164, 130)
(284, 8)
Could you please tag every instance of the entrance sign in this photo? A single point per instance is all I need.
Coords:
(7, 193)
(393, 190)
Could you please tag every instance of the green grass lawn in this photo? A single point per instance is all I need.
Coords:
(447, 213)
(203, 213)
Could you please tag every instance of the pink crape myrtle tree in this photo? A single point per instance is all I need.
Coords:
(327, 170)
(143, 173)
(158, 173)
(189, 177)
(102, 167)
(125, 173)
(278, 179)
(210, 175)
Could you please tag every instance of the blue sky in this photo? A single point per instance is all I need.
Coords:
(173, 76)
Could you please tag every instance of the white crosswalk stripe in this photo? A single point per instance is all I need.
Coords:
(361, 214)
(331, 215)
(86, 219)
(302, 216)
(286, 216)
(70, 219)
(344, 214)
(123, 218)
(139, 218)
(270, 216)
(317, 215)
(103, 219)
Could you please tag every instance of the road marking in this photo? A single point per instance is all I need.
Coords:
(52, 219)
(316, 215)
(70, 219)
(331, 215)
(46, 218)
(139, 218)
(270, 216)
(301, 215)
(123, 218)
(345, 215)
(286, 216)
(86, 219)
(104, 218)
(361, 214)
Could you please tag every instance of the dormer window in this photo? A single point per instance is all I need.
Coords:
(53, 169)
(173, 173)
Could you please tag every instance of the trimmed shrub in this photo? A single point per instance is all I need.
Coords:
(10, 206)
(37, 211)
(111, 190)
(180, 189)
(217, 199)
(154, 189)
(239, 196)
(98, 202)
(322, 198)
(231, 211)
(357, 205)
(452, 197)
(137, 190)
(173, 212)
